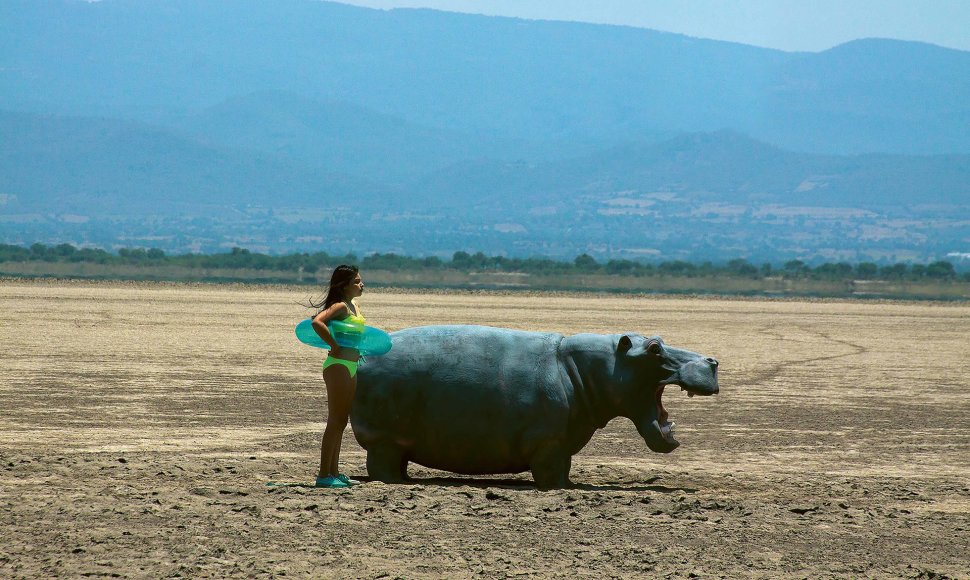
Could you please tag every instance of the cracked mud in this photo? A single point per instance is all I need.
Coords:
(140, 424)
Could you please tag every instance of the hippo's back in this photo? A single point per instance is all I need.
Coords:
(462, 398)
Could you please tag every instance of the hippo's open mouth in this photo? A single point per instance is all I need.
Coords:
(663, 415)
(692, 383)
(694, 374)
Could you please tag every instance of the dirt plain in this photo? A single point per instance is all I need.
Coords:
(140, 424)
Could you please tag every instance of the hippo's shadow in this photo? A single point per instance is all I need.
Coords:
(524, 484)
(444, 481)
(632, 487)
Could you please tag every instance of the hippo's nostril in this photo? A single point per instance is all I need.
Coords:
(713, 361)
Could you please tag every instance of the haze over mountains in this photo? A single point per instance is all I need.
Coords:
(301, 125)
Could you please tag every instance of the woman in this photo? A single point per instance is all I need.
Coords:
(339, 369)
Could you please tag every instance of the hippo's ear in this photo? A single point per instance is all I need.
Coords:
(624, 344)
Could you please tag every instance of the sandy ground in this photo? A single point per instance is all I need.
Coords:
(140, 423)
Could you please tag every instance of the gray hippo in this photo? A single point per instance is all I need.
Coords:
(481, 400)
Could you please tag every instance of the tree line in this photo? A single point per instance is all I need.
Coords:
(584, 264)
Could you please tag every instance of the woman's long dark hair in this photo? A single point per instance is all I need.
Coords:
(342, 276)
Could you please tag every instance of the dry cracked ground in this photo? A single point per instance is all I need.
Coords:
(140, 424)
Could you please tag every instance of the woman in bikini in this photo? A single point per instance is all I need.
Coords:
(339, 369)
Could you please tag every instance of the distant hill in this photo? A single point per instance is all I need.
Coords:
(96, 166)
(349, 138)
(704, 196)
(495, 77)
(103, 166)
(720, 167)
(872, 95)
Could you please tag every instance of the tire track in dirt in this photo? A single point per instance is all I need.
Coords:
(774, 371)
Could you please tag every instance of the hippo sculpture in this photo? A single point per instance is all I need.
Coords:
(482, 400)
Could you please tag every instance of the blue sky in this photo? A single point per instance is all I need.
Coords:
(794, 25)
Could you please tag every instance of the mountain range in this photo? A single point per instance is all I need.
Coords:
(150, 109)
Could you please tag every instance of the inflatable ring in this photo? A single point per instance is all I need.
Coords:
(369, 341)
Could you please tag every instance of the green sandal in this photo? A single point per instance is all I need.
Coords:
(331, 481)
(346, 479)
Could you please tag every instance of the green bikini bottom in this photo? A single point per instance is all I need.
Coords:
(351, 365)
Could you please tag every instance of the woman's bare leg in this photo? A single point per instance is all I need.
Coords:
(340, 394)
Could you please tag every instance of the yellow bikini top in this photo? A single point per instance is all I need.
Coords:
(351, 317)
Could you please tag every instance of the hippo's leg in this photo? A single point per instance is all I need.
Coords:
(550, 468)
(387, 463)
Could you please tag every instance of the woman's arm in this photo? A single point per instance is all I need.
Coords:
(337, 311)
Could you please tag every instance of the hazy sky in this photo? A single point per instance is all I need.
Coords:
(809, 25)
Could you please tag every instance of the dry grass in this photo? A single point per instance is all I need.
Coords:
(140, 423)
(449, 278)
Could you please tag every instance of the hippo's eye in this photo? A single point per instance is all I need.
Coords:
(653, 348)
